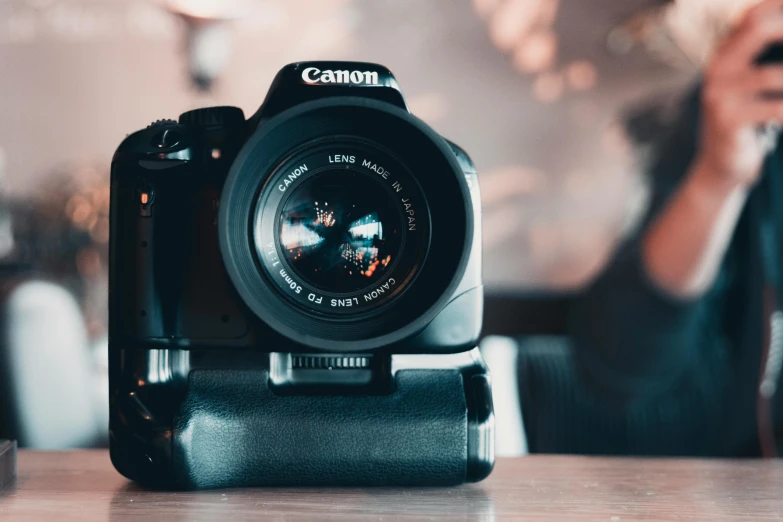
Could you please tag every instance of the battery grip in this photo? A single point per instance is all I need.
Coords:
(236, 427)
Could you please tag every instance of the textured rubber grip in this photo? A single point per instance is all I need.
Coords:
(233, 431)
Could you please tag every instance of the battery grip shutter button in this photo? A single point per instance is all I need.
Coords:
(213, 116)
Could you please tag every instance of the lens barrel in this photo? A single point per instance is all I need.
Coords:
(345, 224)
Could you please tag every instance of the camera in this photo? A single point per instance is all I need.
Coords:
(295, 298)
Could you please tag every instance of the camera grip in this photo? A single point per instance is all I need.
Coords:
(232, 430)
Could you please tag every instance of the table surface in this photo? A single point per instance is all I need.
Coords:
(82, 485)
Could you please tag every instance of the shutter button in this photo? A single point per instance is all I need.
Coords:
(166, 139)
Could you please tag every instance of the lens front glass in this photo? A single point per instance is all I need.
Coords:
(341, 231)
(342, 228)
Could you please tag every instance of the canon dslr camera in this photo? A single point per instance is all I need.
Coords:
(296, 298)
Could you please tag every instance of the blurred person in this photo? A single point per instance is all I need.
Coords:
(682, 335)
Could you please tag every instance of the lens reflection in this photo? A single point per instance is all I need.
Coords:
(341, 231)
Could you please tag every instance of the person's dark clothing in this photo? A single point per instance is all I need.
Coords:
(684, 376)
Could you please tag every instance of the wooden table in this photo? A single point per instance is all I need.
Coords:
(83, 486)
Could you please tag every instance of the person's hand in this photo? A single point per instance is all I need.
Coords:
(738, 99)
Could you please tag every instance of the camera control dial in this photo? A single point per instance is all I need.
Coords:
(213, 116)
(161, 123)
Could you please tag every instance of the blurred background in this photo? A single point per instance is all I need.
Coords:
(554, 99)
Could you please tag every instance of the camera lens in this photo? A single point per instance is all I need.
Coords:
(346, 224)
(341, 231)
(342, 228)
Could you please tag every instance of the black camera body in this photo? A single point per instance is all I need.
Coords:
(296, 298)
